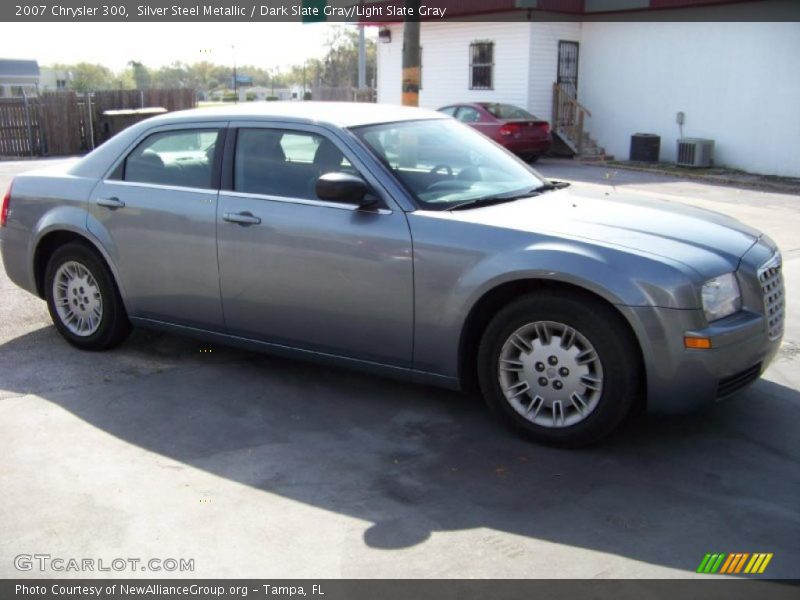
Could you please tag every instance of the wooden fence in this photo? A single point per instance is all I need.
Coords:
(343, 94)
(66, 123)
(19, 127)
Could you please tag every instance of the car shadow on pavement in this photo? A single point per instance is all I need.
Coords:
(413, 460)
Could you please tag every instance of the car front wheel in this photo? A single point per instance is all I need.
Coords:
(83, 300)
(559, 367)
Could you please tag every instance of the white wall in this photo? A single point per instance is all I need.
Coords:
(390, 68)
(544, 63)
(737, 83)
(445, 63)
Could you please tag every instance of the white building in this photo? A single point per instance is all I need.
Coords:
(54, 80)
(295, 92)
(18, 78)
(737, 83)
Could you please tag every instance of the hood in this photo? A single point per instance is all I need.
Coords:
(704, 240)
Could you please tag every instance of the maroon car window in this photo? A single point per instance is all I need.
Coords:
(467, 114)
(507, 111)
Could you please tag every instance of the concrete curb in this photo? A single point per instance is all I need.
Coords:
(733, 181)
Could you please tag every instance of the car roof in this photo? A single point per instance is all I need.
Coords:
(335, 114)
(340, 114)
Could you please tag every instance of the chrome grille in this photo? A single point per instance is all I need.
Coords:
(771, 279)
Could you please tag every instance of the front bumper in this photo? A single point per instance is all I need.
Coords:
(742, 345)
(528, 146)
(680, 380)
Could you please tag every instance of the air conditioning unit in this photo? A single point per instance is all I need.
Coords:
(695, 152)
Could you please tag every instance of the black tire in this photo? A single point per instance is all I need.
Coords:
(603, 327)
(114, 326)
(533, 158)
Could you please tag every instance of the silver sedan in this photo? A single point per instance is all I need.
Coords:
(400, 241)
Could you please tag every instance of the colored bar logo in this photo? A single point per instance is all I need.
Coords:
(737, 562)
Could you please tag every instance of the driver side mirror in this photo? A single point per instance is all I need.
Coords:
(344, 188)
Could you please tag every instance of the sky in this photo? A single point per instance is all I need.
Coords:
(264, 45)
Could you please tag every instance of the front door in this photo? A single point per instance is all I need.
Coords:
(156, 216)
(566, 117)
(568, 67)
(304, 273)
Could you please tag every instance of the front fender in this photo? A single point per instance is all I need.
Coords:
(450, 281)
(617, 276)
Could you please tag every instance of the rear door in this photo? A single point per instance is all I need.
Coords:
(156, 216)
(306, 273)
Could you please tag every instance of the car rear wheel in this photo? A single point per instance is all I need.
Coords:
(83, 299)
(561, 368)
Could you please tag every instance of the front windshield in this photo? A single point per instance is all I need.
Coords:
(444, 163)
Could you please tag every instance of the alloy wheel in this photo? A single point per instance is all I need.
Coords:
(550, 374)
(77, 298)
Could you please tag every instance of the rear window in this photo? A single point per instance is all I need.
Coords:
(507, 111)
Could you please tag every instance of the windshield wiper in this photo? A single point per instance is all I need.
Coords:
(550, 186)
(500, 198)
(485, 201)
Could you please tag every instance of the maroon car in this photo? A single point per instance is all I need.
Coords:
(510, 126)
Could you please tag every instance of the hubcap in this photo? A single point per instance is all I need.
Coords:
(550, 374)
(77, 299)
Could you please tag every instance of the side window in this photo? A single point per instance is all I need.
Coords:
(449, 110)
(468, 114)
(277, 162)
(182, 158)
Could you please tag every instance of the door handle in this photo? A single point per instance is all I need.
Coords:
(112, 202)
(243, 218)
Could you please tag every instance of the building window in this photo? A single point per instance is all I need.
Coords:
(61, 84)
(481, 66)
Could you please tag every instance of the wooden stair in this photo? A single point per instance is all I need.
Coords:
(568, 124)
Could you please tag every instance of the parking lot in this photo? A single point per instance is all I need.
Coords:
(263, 467)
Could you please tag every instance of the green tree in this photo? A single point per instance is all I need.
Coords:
(141, 75)
(88, 77)
(340, 65)
(123, 80)
(175, 75)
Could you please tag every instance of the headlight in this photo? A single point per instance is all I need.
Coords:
(721, 297)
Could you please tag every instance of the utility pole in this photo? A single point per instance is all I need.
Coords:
(362, 58)
(235, 87)
(411, 57)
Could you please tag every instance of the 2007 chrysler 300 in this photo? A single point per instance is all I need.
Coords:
(399, 240)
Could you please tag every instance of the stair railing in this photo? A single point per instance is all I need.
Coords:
(569, 116)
